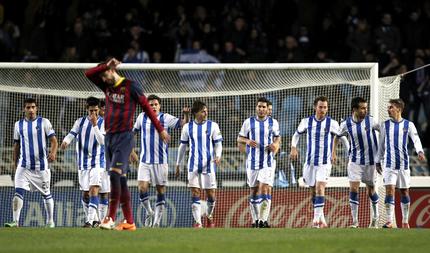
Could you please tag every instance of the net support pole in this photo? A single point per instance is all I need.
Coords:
(374, 92)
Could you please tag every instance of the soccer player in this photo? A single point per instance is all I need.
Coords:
(122, 97)
(361, 130)
(260, 134)
(153, 167)
(393, 150)
(205, 140)
(90, 152)
(320, 130)
(32, 170)
(104, 191)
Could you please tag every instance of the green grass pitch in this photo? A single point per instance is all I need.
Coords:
(62, 240)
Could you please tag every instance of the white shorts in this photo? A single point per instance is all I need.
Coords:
(33, 180)
(313, 174)
(362, 173)
(264, 176)
(400, 178)
(105, 187)
(155, 174)
(90, 177)
(202, 181)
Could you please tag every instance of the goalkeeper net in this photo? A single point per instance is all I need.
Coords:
(231, 92)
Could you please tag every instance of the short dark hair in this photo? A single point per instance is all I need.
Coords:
(355, 102)
(398, 102)
(30, 101)
(154, 97)
(269, 103)
(92, 101)
(102, 103)
(197, 106)
(263, 100)
(320, 98)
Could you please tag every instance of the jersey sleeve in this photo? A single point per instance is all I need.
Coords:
(301, 129)
(413, 134)
(334, 127)
(381, 146)
(49, 131)
(275, 128)
(343, 129)
(94, 75)
(138, 123)
(216, 137)
(172, 121)
(184, 134)
(16, 135)
(244, 131)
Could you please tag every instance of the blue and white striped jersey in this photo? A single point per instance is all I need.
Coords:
(31, 135)
(320, 134)
(363, 139)
(394, 143)
(90, 153)
(262, 132)
(153, 149)
(202, 139)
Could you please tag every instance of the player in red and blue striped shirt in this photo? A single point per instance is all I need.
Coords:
(122, 97)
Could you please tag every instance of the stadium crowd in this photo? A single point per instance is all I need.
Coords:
(393, 33)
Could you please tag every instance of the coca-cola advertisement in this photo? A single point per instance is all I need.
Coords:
(419, 212)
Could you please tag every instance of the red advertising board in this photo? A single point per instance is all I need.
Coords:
(419, 213)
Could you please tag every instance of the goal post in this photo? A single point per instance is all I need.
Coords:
(231, 92)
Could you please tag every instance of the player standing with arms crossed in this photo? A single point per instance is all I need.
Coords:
(393, 150)
(122, 97)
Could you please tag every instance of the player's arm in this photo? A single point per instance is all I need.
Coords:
(186, 112)
(381, 149)
(276, 145)
(217, 139)
(71, 135)
(100, 138)
(301, 129)
(242, 139)
(413, 134)
(15, 153)
(94, 73)
(181, 149)
(137, 94)
(53, 151)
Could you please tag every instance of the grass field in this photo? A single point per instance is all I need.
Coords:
(62, 240)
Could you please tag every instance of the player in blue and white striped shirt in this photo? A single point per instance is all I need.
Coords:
(153, 167)
(89, 132)
(393, 150)
(32, 171)
(361, 130)
(205, 140)
(261, 136)
(320, 130)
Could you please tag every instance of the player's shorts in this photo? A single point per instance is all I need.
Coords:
(90, 177)
(400, 178)
(264, 176)
(33, 180)
(313, 174)
(202, 181)
(118, 147)
(155, 174)
(362, 173)
(105, 187)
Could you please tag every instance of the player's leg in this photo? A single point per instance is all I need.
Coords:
(104, 197)
(253, 196)
(390, 180)
(354, 202)
(21, 185)
(161, 175)
(209, 184)
(370, 178)
(354, 177)
(41, 180)
(144, 177)
(196, 208)
(85, 201)
(405, 200)
(264, 211)
(83, 179)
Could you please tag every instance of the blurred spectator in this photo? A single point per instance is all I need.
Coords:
(135, 55)
(359, 41)
(387, 36)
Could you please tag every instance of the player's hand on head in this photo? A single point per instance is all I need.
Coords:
(186, 110)
(113, 63)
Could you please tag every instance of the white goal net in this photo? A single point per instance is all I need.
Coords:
(231, 92)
